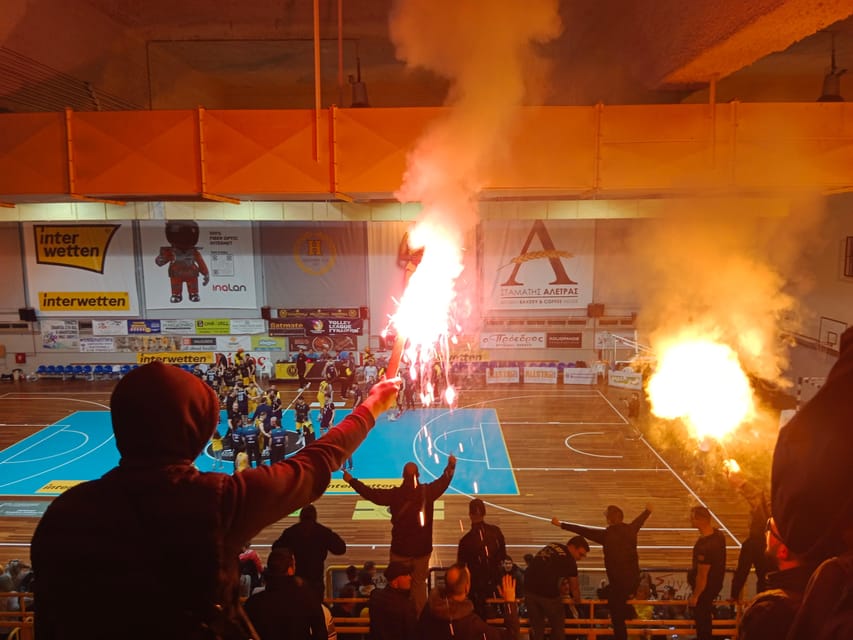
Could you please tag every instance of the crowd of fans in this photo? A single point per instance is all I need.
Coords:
(156, 504)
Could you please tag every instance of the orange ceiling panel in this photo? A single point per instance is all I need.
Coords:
(371, 146)
(547, 148)
(798, 145)
(265, 152)
(32, 155)
(135, 153)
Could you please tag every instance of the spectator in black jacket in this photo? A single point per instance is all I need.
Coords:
(411, 506)
(392, 611)
(772, 612)
(287, 607)
(542, 585)
(311, 542)
(482, 550)
(449, 614)
(620, 560)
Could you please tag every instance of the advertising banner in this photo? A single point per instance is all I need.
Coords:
(232, 343)
(288, 327)
(578, 375)
(248, 325)
(538, 264)
(540, 375)
(564, 340)
(268, 343)
(177, 327)
(146, 342)
(512, 340)
(213, 326)
(199, 343)
(502, 375)
(60, 335)
(175, 358)
(625, 379)
(109, 327)
(198, 265)
(104, 344)
(143, 326)
(81, 269)
(332, 326)
(338, 313)
(321, 344)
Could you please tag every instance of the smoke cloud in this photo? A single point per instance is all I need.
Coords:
(486, 50)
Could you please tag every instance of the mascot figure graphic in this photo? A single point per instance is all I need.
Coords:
(184, 259)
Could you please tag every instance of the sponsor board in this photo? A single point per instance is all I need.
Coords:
(109, 327)
(60, 335)
(292, 327)
(176, 357)
(502, 375)
(564, 340)
(248, 325)
(143, 326)
(512, 340)
(540, 375)
(177, 327)
(269, 343)
(59, 486)
(578, 375)
(332, 326)
(213, 326)
(91, 301)
(625, 379)
(97, 344)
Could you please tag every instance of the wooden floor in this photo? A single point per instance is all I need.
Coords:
(572, 452)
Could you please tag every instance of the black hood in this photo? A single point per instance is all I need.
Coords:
(162, 414)
(812, 473)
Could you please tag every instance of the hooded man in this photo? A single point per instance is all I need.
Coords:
(155, 511)
(811, 477)
(411, 506)
(812, 503)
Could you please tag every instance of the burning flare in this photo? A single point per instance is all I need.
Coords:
(701, 381)
(423, 319)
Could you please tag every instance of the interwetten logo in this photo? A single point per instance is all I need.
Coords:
(76, 246)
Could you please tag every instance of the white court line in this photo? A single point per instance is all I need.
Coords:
(59, 466)
(64, 429)
(678, 477)
(485, 447)
(106, 407)
(585, 453)
(558, 422)
(653, 469)
(691, 492)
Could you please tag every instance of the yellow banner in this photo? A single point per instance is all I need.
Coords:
(194, 357)
(84, 301)
(366, 510)
(58, 486)
(77, 246)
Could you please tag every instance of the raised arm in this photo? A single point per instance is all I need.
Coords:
(638, 522)
(440, 484)
(596, 534)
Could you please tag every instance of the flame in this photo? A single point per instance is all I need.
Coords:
(731, 466)
(424, 315)
(701, 381)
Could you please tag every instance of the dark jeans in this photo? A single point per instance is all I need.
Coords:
(620, 611)
(538, 609)
(751, 555)
(702, 615)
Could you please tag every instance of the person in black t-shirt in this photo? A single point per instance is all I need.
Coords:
(706, 574)
(542, 585)
(619, 540)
